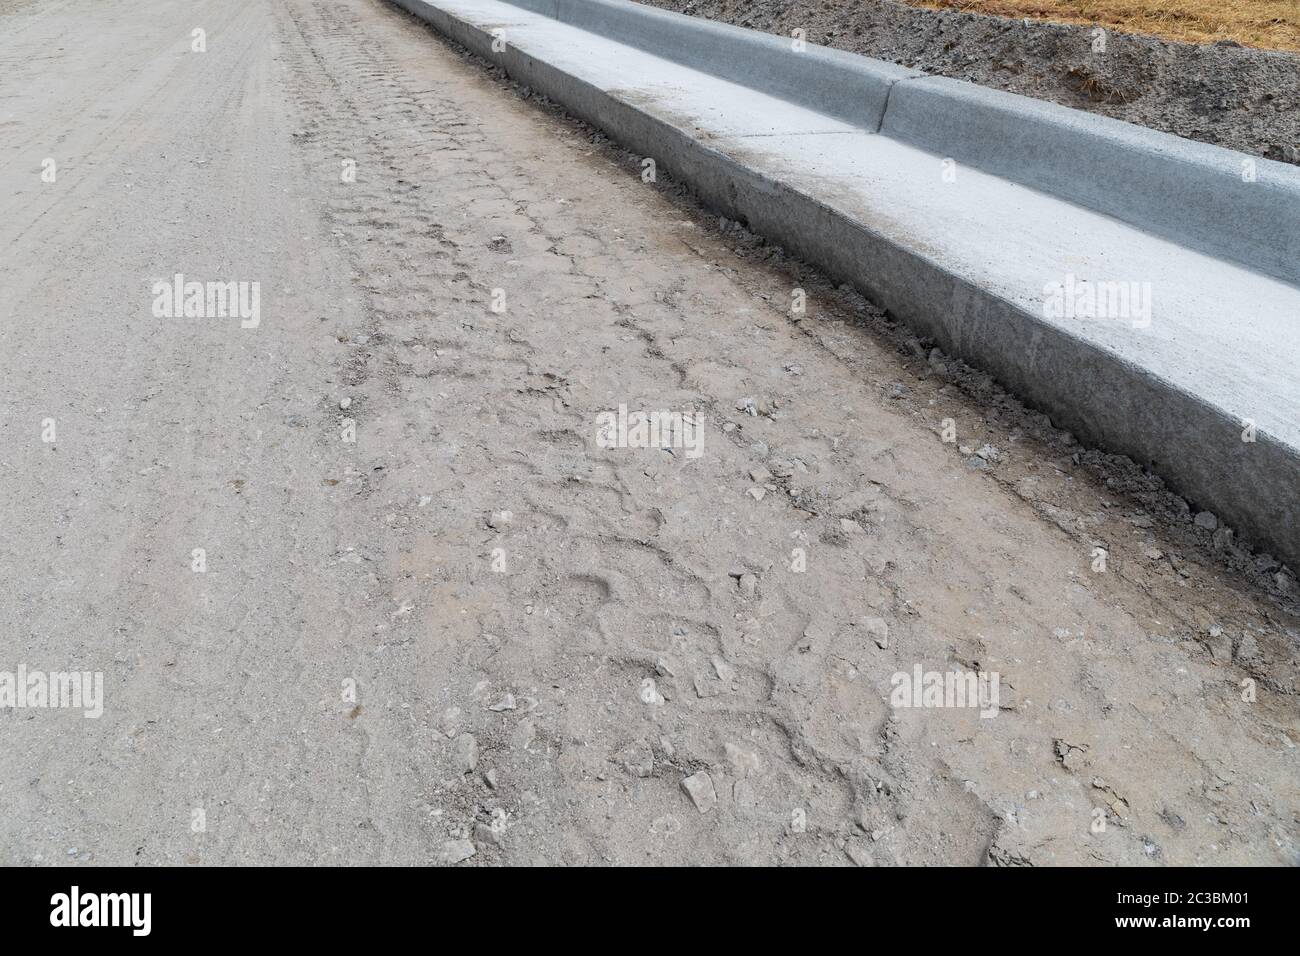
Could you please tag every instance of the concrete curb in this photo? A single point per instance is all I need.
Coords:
(848, 87)
(1191, 193)
(1181, 191)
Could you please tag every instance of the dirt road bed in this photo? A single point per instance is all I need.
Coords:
(383, 573)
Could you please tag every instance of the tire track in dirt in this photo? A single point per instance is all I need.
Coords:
(574, 576)
(779, 670)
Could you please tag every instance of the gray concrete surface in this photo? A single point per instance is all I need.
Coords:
(968, 260)
(852, 88)
(1219, 201)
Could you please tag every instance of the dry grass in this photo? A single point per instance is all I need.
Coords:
(1270, 24)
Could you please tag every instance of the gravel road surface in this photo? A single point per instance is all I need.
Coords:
(367, 583)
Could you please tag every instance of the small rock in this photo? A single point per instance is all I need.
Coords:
(649, 693)
(637, 759)
(507, 702)
(490, 778)
(345, 403)
(699, 787)
(499, 519)
(449, 722)
(726, 673)
(665, 825)
(877, 630)
(706, 687)
(782, 468)
(858, 854)
(760, 475)
(744, 762)
(744, 795)
(1069, 755)
(465, 753)
(454, 851)
(1223, 539)
(748, 585)
(756, 493)
(1247, 650)
(1264, 563)
(1027, 488)
(523, 735)
(1206, 520)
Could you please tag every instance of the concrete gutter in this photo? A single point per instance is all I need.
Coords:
(973, 214)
